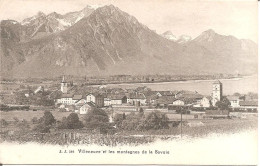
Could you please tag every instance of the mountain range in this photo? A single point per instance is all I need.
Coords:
(108, 41)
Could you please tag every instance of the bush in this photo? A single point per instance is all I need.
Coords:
(155, 121)
(223, 104)
(132, 121)
(176, 123)
(118, 119)
(47, 119)
(16, 120)
(96, 118)
(45, 122)
(71, 122)
(3, 123)
(34, 120)
(42, 128)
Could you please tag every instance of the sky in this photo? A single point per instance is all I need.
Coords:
(189, 17)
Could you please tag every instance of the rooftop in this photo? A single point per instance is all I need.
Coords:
(116, 96)
(136, 96)
(231, 98)
(248, 103)
(77, 97)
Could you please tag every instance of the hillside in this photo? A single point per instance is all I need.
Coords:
(108, 41)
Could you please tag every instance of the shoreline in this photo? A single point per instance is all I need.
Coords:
(173, 81)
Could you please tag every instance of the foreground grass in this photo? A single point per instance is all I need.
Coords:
(135, 138)
(28, 115)
(209, 126)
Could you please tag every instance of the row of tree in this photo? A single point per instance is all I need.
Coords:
(98, 118)
(142, 122)
(42, 98)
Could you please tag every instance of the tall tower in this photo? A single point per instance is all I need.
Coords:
(64, 85)
(216, 92)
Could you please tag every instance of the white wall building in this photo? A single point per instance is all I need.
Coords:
(204, 102)
(84, 108)
(216, 92)
(178, 102)
(64, 86)
(234, 101)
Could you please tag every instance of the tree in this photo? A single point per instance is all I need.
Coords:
(47, 119)
(71, 122)
(252, 96)
(62, 124)
(131, 121)
(21, 99)
(141, 110)
(139, 121)
(23, 125)
(96, 118)
(237, 94)
(34, 120)
(3, 123)
(155, 120)
(16, 120)
(223, 104)
(45, 122)
(118, 119)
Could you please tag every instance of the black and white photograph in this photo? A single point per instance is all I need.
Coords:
(129, 82)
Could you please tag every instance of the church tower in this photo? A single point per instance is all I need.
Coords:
(64, 85)
(216, 92)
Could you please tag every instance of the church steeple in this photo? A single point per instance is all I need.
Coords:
(216, 92)
(63, 79)
(64, 85)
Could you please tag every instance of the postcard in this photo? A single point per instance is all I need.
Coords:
(129, 82)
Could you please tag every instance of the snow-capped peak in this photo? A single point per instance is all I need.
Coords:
(28, 20)
(168, 35)
(184, 39)
(181, 39)
(94, 6)
(13, 21)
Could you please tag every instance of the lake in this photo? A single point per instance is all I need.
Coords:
(230, 86)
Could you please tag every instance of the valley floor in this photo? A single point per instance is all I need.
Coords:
(191, 129)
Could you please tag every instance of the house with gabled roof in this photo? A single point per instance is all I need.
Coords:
(76, 98)
(164, 101)
(84, 108)
(247, 105)
(205, 102)
(118, 99)
(136, 98)
(234, 100)
(66, 99)
(96, 98)
(81, 101)
(164, 93)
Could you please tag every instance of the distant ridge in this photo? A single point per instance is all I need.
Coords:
(107, 41)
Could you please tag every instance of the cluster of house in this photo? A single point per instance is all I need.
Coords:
(240, 102)
(141, 96)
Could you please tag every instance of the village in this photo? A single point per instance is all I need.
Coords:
(80, 99)
(130, 100)
(79, 112)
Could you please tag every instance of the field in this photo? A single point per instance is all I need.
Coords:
(28, 115)
(190, 128)
(209, 126)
